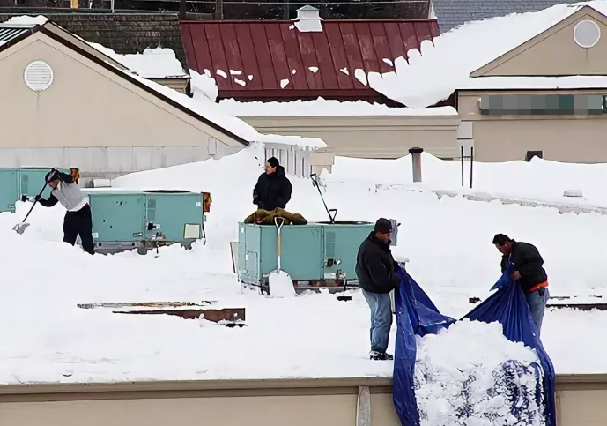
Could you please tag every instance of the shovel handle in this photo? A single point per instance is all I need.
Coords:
(35, 202)
(279, 221)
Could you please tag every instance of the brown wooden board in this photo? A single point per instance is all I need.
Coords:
(579, 306)
(118, 305)
(214, 315)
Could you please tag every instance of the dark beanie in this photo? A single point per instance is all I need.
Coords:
(273, 162)
(383, 226)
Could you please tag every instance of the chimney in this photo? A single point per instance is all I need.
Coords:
(308, 20)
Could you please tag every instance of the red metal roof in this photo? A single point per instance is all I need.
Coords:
(273, 60)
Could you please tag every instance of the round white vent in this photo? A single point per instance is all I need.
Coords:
(38, 76)
(586, 34)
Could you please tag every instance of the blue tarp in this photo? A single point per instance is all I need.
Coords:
(417, 315)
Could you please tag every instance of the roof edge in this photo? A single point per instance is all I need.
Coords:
(290, 21)
(122, 74)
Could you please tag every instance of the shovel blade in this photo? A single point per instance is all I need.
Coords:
(20, 228)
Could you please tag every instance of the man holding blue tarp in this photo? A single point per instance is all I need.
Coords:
(377, 277)
(528, 272)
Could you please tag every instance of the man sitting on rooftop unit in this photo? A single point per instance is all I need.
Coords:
(78, 220)
(273, 189)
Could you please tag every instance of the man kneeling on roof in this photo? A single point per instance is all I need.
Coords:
(528, 272)
(78, 220)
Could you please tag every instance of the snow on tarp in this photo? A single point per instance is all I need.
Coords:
(445, 63)
(436, 386)
(509, 306)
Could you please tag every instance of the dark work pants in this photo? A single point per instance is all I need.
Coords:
(79, 223)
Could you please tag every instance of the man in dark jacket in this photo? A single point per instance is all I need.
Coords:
(78, 220)
(377, 277)
(273, 189)
(528, 272)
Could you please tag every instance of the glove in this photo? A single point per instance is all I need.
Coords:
(258, 202)
(37, 198)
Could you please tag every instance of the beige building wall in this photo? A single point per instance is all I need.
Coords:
(554, 52)
(92, 117)
(579, 407)
(370, 136)
(561, 138)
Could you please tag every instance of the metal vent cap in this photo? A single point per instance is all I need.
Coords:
(38, 76)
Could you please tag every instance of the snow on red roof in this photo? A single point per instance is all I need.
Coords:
(273, 60)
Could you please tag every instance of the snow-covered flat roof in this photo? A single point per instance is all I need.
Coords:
(25, 21)
(534, 83)
(322, 107)
(153, 63)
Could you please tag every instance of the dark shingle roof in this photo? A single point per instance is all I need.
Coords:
(125, 33)
(7, 34)
(452, 13)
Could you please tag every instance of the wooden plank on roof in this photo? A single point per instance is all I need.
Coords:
(408, 35)
(382, 48)
(277, 52)
(218, 57)
(367, 50)
(338, 53)
(328, 72)
(248, 57)
(294, 61)
(264, 59)
(308, 56)
(352, 49)
(233, 56)
(395, 40)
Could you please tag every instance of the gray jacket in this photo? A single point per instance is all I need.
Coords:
(68, 194)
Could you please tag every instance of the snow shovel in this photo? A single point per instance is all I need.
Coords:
(331, 212)
(21, 227)
(281, 284)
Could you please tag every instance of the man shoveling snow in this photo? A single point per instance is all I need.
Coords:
(78, 221)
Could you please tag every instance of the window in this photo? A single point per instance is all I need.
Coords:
(543, 105)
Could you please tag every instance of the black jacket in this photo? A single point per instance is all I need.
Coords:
(528, 262)
(272, 191)
(375, 266)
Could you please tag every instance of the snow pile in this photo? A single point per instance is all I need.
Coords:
(153, 63)
(536, 179)
(471, 375)
(321, 107)
(25, 21)
(446, 63)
